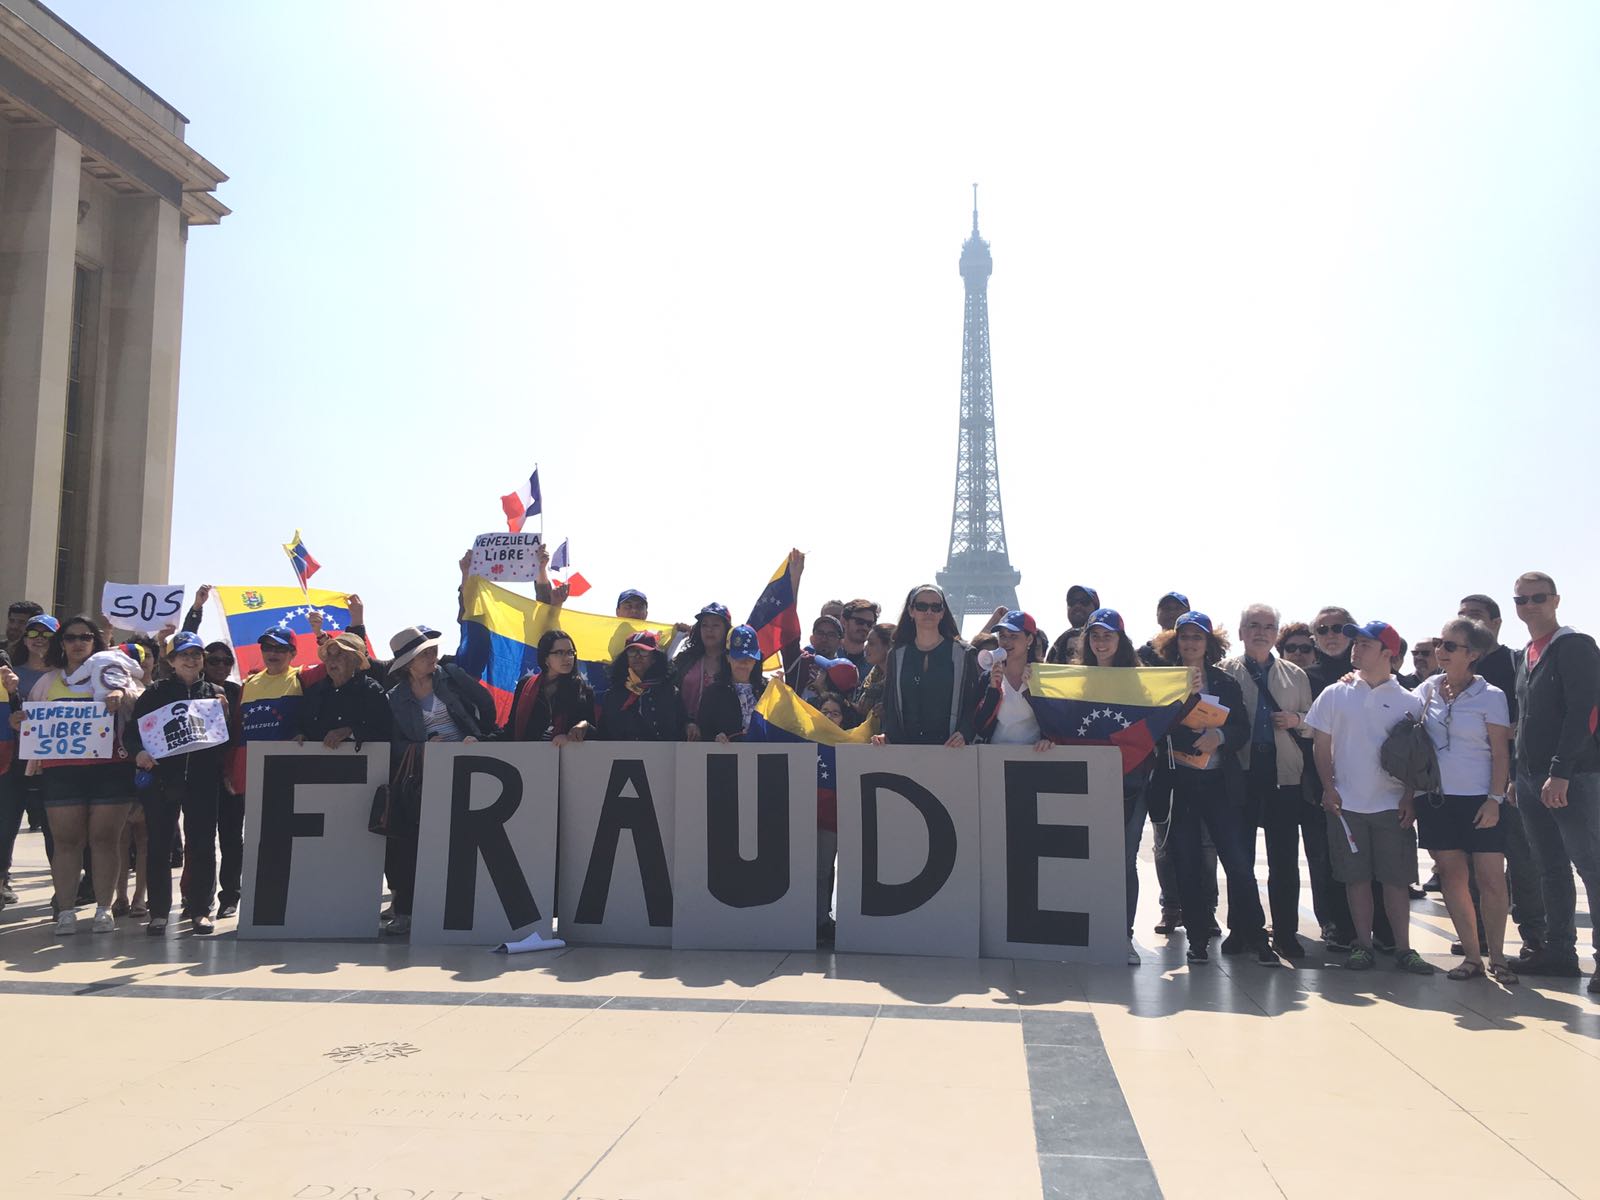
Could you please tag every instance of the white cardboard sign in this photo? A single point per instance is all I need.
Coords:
(744, 870)
(1053, 879)
(617, 825)
(182, 727)
(486, 868)
(908, 850)
(506, 557)
(142, 607)
(311, 868)
(65, 729)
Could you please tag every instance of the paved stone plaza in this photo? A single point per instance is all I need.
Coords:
(207, 1067)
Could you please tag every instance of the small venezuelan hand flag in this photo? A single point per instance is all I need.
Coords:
(300, 558)
(1127, 707)
(775, 618)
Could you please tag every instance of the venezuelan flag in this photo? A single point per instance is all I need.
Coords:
(500, 633)
(781, 716)
(1127, 707)
(250, 612)
(775, 617)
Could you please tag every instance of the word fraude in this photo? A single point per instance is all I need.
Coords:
(997, 850)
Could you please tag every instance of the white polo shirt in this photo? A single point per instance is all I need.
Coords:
(1358, 717)
(1460, 733)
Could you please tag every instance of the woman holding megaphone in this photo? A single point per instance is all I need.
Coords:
(1005, 715)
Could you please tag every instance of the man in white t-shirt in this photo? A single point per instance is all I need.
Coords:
(1369, 811)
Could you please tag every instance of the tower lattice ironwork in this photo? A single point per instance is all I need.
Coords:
(978, 576)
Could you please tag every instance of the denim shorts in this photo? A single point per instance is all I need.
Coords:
(1445, 823)
(90, 784)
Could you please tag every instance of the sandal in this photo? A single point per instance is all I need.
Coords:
(139, 910)
(120, 908)
(1503, 974)
(1467, 970)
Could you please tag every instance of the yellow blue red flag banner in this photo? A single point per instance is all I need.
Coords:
(1128, 707)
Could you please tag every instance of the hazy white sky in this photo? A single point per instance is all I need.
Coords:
(1293, 304)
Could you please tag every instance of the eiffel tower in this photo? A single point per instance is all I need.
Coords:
(978, 575)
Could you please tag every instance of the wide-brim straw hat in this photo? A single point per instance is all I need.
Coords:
(410, 642)
(349, 643)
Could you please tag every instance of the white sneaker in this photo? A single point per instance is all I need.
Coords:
(66, 922)
(103, 922)
(1133, 956)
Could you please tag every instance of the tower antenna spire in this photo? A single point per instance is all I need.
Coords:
(974, 210)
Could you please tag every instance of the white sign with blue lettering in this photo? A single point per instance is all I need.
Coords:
(65, 729)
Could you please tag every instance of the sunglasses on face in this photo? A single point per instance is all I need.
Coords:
(854, 620)
(1303, 649)
(77, 637)
(34, 634)
(1535, 598)
(1449, 647)
(1325, 630)
(923, 606)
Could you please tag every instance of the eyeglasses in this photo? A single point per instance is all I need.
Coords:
(923, 606)
(568, 653)
(638, 652)
(1325, 630)
(77, 637)
(1305, 648)
(1447, 646)
(1535, 598)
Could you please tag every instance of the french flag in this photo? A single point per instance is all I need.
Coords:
(560, 567)
(523, 503)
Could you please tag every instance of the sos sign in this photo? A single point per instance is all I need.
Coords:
(65, 729)
(143, 608)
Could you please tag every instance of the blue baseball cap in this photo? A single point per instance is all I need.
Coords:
(715, 610)
(42, 621)
(1177, 596)
(186, 641)
(743, 643)
(633, 594)
(1018, 621)
(1092, 595)
(276, 637)
(1193, 618)
(1105, 618)
(1379, 631)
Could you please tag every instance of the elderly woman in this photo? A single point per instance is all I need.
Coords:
(1469, 721)
(430, 701)
(1201, 761)
(346, 703)
(86, 800)
(189, 785)
(932, 680)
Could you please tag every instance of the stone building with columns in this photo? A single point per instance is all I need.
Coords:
(98, 190)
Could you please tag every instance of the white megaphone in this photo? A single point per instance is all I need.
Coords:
(989, 659)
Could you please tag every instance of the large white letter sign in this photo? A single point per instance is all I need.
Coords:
(908, 850)
(1053, 882)
(744, 868)
(311, 869)
(616, 842)
(486, 863)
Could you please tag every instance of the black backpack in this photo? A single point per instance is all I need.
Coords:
(1408, 754)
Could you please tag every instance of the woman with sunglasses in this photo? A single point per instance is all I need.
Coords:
(932, 679)
(86, 800)
(1470, 724)
(555, 703)
(19, 791)
(1105, 643)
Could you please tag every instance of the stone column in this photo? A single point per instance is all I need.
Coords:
(38, 239)
(132, 537)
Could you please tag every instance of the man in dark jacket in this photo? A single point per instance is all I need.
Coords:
(1558, 769)
(187, 781)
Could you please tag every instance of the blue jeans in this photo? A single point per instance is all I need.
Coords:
(1200, 802)
(1561, 839)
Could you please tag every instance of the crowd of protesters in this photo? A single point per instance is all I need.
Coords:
(1298, 756)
